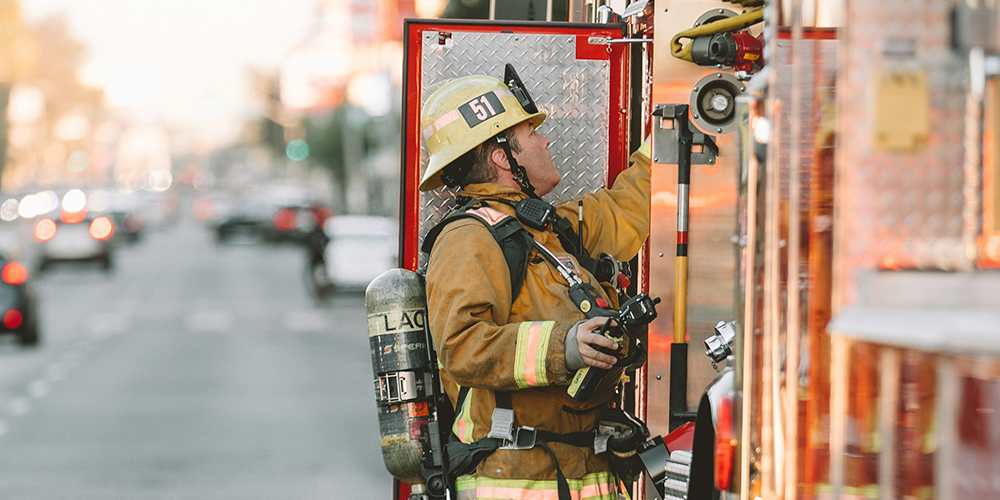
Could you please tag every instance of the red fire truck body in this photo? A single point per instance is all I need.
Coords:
(841, 215)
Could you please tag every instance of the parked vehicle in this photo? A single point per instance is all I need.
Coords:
(360, 248)
(157, 209)
(212, 207)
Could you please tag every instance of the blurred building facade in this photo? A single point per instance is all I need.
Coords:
(342, 84)
(53, 130)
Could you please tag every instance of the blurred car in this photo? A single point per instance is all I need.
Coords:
(250, 218)
(129, 225)
(269, 220)
(212, 207)
(18, 300)
(75, 237)
(124, 211)
(157, 209)
(18, 303)
(360, 248)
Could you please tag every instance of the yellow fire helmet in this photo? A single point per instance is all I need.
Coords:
(463, 114)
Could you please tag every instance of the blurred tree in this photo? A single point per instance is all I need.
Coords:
(55, 73)
(12, 64)
(467, 9)
(59, 59)
(43, 56)
(326, 135)
(270, 128)
(4, 125)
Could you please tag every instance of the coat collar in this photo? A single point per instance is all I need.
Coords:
(490, 190)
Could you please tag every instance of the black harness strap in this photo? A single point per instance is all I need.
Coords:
(503, 400)
(568, 237)
(515, 242)
(561, 483)
(464, 458)
(462, 394)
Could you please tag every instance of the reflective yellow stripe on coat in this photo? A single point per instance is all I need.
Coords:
(532, 349)
(596, 486)
(463, 425)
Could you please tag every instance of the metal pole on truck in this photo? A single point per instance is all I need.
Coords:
(679, 348)
(675, 143)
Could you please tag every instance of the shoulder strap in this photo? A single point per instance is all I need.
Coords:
(463, 392)
(513, 239)
(537, 214)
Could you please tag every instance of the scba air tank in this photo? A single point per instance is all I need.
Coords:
(397, 318)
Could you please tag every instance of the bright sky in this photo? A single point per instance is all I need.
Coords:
(181, 60)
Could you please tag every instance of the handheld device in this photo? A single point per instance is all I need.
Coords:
(636, 311)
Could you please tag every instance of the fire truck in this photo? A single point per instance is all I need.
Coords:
(825, 226)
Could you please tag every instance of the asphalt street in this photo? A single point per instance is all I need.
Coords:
(193, 370)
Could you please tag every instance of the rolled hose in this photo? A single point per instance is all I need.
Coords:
(726, 25)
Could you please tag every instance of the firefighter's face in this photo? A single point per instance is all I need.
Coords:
(534, 155)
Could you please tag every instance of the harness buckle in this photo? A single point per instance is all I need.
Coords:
(524, 439)
(503, 424)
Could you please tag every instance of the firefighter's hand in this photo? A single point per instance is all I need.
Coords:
(587, 337)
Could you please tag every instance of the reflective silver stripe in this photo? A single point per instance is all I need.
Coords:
(682, 207)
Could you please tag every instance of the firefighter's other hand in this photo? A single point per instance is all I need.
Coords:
(587, 337)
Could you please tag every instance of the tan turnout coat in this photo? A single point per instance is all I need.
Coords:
(488, 344)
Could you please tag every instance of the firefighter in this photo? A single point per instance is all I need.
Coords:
(500, 347)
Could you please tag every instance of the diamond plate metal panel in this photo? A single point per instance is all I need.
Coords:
(574, 93)
(903, 209)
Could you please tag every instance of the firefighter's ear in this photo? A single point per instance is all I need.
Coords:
(499, 158)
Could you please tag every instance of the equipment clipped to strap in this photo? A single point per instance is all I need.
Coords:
(636, 311)
(535, 213)
(621, 434)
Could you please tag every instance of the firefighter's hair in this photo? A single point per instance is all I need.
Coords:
(475, 166)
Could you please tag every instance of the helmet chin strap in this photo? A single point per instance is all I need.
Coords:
(520, 174)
